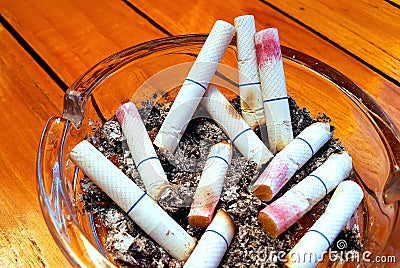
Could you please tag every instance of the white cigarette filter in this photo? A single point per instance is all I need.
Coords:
(311, 247)
(210, 185)
(273, 88)
(288, 209)
(290, 159)
(193, 88)
(142, 150)
(234, 126)
(214, 243)
(136, 203)
(251, 100)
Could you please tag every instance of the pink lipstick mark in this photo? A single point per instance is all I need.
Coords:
(124, 110)
(268, 47)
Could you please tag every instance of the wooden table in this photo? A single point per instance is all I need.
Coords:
(46, 45)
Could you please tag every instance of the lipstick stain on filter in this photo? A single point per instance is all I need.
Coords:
(278, 171)
(127, 109)
(268, 47)
(121, 115)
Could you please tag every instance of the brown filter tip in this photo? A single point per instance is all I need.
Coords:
(199, 221)
(263, 192)
(268, 224)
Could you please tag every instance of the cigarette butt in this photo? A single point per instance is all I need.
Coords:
(210, 185)
(290, 159)
(251, 100)
(136, 203)
(273, 88)
(142, 150)
(214, 243)
(193, 88)
(289, 208)
(234, 126)
(341, 207)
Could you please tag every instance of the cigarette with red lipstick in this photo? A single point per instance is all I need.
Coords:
(345, 200)
(289, 208)
(285, 163)
(142, 150)
(210, 185)
(273, 88)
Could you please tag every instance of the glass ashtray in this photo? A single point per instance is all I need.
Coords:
(146, 72)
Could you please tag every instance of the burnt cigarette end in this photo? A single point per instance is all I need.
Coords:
(199, 221)
(263, 192)
(268, 224)
(228, 219)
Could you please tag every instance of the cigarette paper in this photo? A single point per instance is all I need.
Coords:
(341, 207)
(142, 150)
(273, 88)
(290, 159)
(234, 126)
(210, 185)
(193, 88)
(251, 100)
(285, 211)
(214, 242)
(136, 203)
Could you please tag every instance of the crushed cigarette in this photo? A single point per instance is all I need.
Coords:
(290, 159)
(341, 207)
(251, 100)
(210, 185)
(273, 88)
(142, 150)
(137, 204)
(234, 126)
(193, 88)
(214, 242)
(289, 208)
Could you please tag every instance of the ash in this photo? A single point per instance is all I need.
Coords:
(251, 247)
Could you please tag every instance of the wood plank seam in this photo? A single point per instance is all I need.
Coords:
(31, 51)
(390, 2)
(323, 37)
(146, 17)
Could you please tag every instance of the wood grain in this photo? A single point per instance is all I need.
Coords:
(113, 26)
(28, 97)
(72, 36)
(368, 29)
(199, 18)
